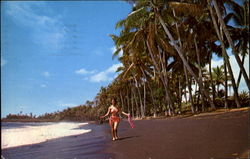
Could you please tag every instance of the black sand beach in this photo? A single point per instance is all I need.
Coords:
(209, 136)
(223, 135)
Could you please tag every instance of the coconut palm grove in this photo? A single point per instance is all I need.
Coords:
(166, 48)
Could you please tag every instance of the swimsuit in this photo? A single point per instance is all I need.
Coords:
(113, 118)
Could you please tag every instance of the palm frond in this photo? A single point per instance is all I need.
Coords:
(125, 73)
(121, 68)
(120, 23)
(134, 20)
(187, 9)
(167, 47)
(116, 53)
(114, 38)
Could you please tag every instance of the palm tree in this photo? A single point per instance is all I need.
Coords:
(240, 32)
(162, 40)
(218, 76)
(137, 39)
(158, 10)
(142, 12)
(225, 56)
(230, 41)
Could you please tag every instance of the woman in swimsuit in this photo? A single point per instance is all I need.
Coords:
(114, 118)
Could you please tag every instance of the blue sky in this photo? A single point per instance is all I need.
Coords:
(58, 54)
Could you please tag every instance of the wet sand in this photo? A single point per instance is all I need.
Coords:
(223, 135)
(85, 146)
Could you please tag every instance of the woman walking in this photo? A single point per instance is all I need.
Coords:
(114, 118)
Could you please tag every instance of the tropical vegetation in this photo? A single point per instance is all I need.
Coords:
(166, 48)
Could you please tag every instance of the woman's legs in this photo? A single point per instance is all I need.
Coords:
(111, 123)
(115, 129)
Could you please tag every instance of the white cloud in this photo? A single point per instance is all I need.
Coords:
(3, 62)
(106, 75)
(100, 77)
(113, 68)
(45, 30)
(83, 71)
(46, 74)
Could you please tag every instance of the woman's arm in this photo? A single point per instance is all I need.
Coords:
(122, 112)
(127, 114)
(106, 113)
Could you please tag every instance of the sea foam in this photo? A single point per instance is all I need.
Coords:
(35, 134)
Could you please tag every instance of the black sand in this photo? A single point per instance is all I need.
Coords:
(211, 136)
(217, 136)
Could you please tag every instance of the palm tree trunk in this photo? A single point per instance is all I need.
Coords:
(225, 56)
(132, 102)
(128, 105)
(240, 74)
(144, 97)
(230, 41)
(181, 55)
(226, 89)
(196, 90)
(202, 105)
(198, 101)
(163, 78)
(218, 89)
(136, 103)
(189, 89)
(144, 88)
(132, 105)
(153, 100)
(142, 110)
(139, 94)
(211, 78)
(121, 100)
(185, 95)
(200, 72)
(179, 94)
(225, 73)
(189, 86)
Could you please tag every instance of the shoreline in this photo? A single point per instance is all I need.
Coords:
(21, 135)
(81, 146)
(39, 120)
(217, 135)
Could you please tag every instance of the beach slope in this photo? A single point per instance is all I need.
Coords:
(205, 136)
(212, 135)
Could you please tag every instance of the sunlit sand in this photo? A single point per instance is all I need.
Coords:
(36, 134)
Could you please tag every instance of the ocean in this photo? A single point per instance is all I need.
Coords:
(49, 140)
